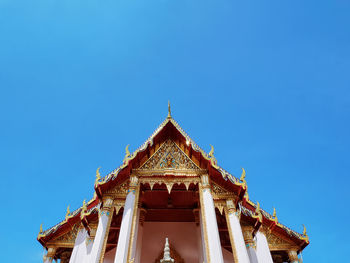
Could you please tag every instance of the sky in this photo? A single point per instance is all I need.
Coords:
(265, 82)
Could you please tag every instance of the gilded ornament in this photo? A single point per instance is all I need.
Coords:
(127, 154)
(274, 215)
(169, 110)
(305, 236)
(68, 213)
(98, 176)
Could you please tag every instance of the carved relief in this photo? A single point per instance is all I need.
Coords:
(169, 156)
(220, 193)
(277, 243)
(70, 236)
(120, 190)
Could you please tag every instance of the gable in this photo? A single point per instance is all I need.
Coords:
(169, 156)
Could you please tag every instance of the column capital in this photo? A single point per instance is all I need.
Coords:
(134, 181)
(205, 181)
(51, 251)
(248, 236)
(230, 206)
(293, 256)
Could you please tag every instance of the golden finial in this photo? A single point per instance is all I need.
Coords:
(41, 229)
(304, 231)
(98, 175)
(68, 212)
(211, 153)
(169, 110)
(127, 153)
(242, 175)
(242, 179)
(274, 215)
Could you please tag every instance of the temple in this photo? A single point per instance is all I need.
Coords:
(170, 191)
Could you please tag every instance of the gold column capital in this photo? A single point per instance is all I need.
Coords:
(248, 236)
(230, 206)
(205, 181)
(293, 256)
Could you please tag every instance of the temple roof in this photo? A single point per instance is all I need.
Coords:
(247, 207)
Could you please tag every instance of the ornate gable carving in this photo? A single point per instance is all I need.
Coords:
(277, 243)
(68, 237)
(220, 193)
(169, 156)
(121, 190)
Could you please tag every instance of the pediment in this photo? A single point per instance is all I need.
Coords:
(277, 243)
(169, 156)
(69, 237)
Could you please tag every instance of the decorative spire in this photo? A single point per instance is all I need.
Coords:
(305, 236)
(211, 153)
(242, 179)
(68, 212)
(169, 110)
(304, 231)
(274, 215)
(166, 257)
(127, 153)
(98, 175)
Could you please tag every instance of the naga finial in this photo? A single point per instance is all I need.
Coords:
(304, 231)
(127, 153)
(242, 175)
(68, 212)
(169, 110)
(41, 229)
(274, 215)
(211, 153)
(98, 175)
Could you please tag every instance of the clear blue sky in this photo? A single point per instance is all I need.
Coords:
(265, 82)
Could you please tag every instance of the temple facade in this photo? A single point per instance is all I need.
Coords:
(170, 189)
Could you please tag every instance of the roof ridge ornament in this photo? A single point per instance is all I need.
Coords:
(98, 176)
(169, 110)
(212, 158)
(68, 213)
(41, 231)
(305, 235)
(274, 215)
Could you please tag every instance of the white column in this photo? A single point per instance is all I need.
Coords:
(262, 248)
(126, 225)
(104, 221)
(210, 223)
(78, 253)
(237, 236)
